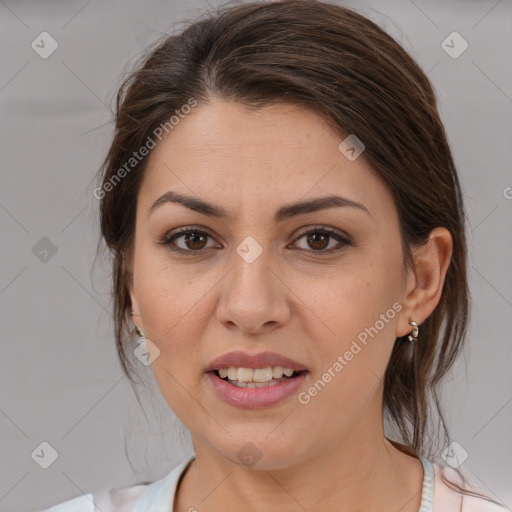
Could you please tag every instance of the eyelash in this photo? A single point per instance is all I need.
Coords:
(168, 239)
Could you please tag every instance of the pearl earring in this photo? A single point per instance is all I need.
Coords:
(413, 337)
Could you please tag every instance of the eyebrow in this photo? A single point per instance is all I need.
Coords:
(285, 212)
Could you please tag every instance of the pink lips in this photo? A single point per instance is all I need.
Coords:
(254, 398)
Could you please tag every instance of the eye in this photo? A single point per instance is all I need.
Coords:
(192, 240)
(319, 240)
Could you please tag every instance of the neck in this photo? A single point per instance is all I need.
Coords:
(363, 472)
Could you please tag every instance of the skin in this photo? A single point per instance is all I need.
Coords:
(330, 454)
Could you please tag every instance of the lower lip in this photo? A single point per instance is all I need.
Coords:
(255, 398)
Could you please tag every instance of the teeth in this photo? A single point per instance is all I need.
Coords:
(241, 384)
(277, 371)
(245, 374)
(259, 377)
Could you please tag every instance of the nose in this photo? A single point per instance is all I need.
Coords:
(254, 298)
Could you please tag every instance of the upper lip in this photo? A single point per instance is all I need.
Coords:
(241, 359)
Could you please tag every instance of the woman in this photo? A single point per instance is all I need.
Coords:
(287, 232)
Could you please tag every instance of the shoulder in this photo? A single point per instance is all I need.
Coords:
(115, 500)
(139, 497)
(448, 497)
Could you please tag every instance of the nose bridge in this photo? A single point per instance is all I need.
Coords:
(252, 296)
(250, 280)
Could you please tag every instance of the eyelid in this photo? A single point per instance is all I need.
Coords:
(328, 229)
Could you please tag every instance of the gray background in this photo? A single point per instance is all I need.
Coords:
(60, 379)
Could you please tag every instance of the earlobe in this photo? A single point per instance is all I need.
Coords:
(135, 305)
(134, 310)
(127, 262)
(425, 282)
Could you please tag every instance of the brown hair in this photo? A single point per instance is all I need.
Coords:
(359, 79)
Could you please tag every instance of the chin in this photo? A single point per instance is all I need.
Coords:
(262, 453)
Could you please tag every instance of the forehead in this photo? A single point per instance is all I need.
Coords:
(228, 153)
(225, 129)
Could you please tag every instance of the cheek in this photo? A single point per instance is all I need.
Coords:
(173, 310)
(353, 358)
(360, 308)
(166, 292)
(173, 303)
(352, 297)
(174, 317)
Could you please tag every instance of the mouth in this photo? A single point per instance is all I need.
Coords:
(255, 381)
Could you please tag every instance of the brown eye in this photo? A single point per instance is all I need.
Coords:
(318, 240)
(188, 241)
(195, 240)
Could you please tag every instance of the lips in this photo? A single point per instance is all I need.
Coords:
(255, 395)
(246, 360)
(255, 398)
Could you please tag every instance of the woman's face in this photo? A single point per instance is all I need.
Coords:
(252, 281)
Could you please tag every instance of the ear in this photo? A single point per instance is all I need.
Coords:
(424, 283)
(135, 309)
(133, 299)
